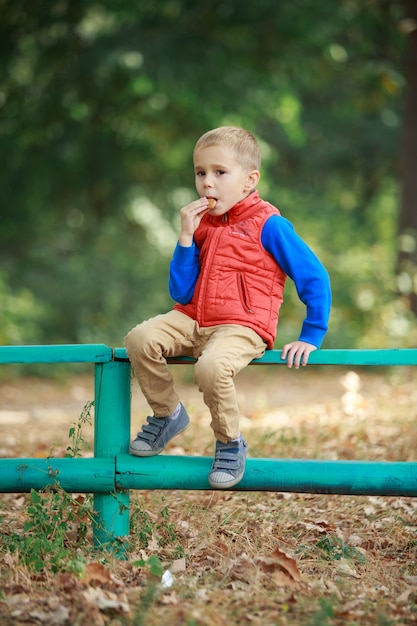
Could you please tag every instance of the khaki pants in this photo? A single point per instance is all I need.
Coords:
(222, 351)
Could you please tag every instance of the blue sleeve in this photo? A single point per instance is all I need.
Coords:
(310, 277)
(184, 270)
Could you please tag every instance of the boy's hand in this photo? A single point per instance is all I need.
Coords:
(297, 353)
(191, 216)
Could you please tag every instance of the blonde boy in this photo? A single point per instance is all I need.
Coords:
(227, 276)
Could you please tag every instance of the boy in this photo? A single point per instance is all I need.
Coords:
(227, 276)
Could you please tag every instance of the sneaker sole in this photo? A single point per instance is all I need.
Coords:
(225, 485)
(145, 453)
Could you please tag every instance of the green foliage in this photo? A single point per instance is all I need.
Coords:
(152, 591)
(20, 314)
(101, 105)
(336, 549)
(153, 565)
(57, 524)
(144, 529)
(76, 431)
(56, 528)
(324, 614)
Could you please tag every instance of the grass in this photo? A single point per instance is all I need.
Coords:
(236, 558)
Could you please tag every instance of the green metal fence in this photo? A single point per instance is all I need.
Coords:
(112, 473)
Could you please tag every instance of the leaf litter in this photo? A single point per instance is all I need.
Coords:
(238, 557)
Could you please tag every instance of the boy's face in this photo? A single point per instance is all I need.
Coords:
(219, 175)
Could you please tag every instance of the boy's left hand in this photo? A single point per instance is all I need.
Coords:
(297, 353)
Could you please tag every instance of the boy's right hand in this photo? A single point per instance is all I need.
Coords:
(191, 216)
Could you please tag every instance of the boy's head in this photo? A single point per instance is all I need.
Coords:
(226, 162)
(241, 143)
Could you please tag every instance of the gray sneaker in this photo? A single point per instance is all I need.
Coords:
(158, 431)
(228, 464)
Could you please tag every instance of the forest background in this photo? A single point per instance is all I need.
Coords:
(101, 104)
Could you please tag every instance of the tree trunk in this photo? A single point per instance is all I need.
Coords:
(407, 224)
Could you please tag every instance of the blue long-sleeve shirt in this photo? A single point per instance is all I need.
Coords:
(295, 258)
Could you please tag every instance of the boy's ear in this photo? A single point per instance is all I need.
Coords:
(253, 179)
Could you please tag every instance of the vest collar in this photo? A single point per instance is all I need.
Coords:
(238, 210)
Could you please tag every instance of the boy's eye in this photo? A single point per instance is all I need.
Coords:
(220, 172)
(199, 173)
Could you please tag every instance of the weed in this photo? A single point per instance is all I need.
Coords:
(161, 529)
(148, 598)
(76, 431)
(336, 549)
(56, 526)
(383, 620)
(57, 523)
(324, 614)
(141, 526)
(152, 591)
(168, 532)
(153, 565)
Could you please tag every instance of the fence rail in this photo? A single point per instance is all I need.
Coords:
(112, 473)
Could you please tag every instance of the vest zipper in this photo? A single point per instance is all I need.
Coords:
(200, 306)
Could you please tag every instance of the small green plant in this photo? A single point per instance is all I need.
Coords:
(57, 524)
(152, 565)
(56, 527)
(141, 526)
(144, 529)
(76, 431)
(336, 549)
(153, 589)
(324, 614)
(169, 534)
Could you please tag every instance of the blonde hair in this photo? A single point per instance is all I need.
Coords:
(243, 144)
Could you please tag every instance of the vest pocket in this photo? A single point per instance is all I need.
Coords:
(244, 294)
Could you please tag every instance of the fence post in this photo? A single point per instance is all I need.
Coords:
(111, 437)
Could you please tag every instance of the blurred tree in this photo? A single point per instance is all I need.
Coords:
(100, 107)
(407, 229)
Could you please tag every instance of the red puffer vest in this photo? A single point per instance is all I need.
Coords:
(239, 282)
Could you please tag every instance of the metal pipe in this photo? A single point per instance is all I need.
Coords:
(111, 437)
(295, 475)
(74, 475)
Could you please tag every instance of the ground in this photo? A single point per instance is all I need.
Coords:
(233, 557)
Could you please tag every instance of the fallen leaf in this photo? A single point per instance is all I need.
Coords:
(282, 579)
(320, 525)
(202, 595)
(97, 573)
(106, 600)
(411, 580)
(403, 597)
(279, 561)
(10, 559)
(346, 569)
(68, 582)
(350, 606)
(178, 566)
(170, 598)
(61, 615)
(153, 544)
